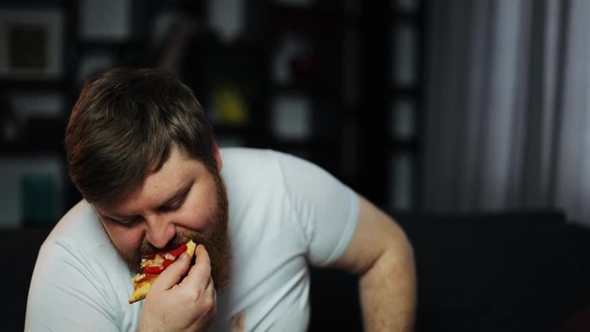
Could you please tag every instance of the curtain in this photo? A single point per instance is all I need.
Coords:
(506, 123)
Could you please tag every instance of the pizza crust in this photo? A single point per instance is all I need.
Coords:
(140, 291)
(142, 282)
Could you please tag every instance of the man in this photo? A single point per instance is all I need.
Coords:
(143, 156)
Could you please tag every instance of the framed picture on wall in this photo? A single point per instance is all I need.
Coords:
(31, 44)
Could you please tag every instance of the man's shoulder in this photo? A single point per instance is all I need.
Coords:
(253, 160)
(79, 229)
(249, 153)
(251, 163)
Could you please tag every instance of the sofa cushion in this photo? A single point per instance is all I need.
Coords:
(490, 272)
(334, 301)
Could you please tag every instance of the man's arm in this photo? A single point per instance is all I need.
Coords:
(382, 256)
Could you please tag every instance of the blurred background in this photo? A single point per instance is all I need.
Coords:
(420, 105)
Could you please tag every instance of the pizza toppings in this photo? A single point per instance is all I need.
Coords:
(155, 263)
(152, 266)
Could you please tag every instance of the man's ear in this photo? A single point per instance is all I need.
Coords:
(217, 156)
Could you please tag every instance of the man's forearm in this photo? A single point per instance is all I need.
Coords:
(388, 292)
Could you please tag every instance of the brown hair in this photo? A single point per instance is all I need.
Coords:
(123, 126)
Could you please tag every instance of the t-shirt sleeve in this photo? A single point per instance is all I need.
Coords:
(65, 294)
(325, 207)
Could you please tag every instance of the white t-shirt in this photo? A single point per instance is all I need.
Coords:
(284, 213)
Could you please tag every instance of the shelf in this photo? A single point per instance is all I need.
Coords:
(405, 145)
(405, 18)
(304, 89)
(305, 143)
(162, 5)
(312, 19)
(406, 92)
(32, 84)
(32, 4)
(106, 45)
(41, 137)
(33, 149)
(225, 130)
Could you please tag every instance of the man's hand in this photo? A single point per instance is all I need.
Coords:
(179, 303)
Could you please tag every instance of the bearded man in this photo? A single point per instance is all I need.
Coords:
(143, 156)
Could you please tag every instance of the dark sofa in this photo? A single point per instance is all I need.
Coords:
(501, 272)
(520, 271)
(517, 271)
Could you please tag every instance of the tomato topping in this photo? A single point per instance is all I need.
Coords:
(153, 269)
(167, 263)
(176, 252)
(157, 269)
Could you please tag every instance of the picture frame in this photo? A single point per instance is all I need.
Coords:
(31, 44)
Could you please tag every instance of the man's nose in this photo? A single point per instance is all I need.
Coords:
(160, 231)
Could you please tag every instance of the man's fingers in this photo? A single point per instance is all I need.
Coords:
(202, 255)
(172, 275)
(200, 273)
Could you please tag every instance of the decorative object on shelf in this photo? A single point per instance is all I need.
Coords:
(402, 119)
(404, 62)
(292, 61)
(10, 120)
(232, 78)
(30, 44)
(180, 35)
(235, 77)
(40, 200)
(230, 106)
(302, 67)
(292, 117)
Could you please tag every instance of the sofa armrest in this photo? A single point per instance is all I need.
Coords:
(20, 249)
(490, 271)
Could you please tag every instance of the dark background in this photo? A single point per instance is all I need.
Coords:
(344, 85)
(320, 79)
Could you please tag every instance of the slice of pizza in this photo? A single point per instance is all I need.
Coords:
(151, 267)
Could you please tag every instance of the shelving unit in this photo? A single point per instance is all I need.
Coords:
(301, 111)
(336, 85)
(392, 86)
(367, 133)
(409, 38)
(44, 133)
(37, 155)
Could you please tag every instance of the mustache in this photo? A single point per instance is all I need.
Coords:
(178, 240)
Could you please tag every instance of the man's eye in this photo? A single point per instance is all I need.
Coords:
(127, 222)
(173, 207)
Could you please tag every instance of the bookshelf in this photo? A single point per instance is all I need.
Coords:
(352, 72)
(81, 48)
(302, 109)
(392, 84)
(339, 83)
